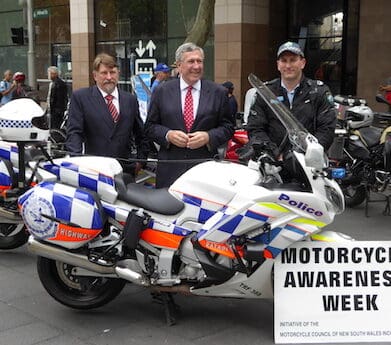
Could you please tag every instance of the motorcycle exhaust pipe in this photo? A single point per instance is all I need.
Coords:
(132, 276)
(82, 261)
(61, 255)
(10, 216)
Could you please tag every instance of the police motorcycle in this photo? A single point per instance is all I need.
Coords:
(362, 149)
(215, 232)
(23, 133)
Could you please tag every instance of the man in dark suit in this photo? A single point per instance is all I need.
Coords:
(188, 117)
(105, 119)
(57, 99)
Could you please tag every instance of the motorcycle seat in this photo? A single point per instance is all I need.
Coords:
(370, 135)
(383, 115)
(154, 200)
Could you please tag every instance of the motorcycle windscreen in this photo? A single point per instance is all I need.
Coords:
(62, 214)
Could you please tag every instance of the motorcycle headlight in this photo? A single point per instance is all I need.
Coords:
(336, 198)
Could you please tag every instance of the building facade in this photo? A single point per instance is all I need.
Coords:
(345, 41)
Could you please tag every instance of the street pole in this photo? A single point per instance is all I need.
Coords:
(30, 53)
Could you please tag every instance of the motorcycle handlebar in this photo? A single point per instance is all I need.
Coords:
(349, 101)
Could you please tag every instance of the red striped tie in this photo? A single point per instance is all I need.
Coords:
(112, 109)
(188, 115)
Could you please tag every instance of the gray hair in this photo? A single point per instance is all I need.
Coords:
(53, 69)
(185, 48)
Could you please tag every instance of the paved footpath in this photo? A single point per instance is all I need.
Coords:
(29, 316)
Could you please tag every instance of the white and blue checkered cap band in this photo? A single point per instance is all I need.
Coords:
(15, 124)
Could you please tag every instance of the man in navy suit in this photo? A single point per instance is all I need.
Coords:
(211, 124)
(91, 123)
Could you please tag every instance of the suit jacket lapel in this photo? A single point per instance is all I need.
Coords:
(204, 100)
(176, 97)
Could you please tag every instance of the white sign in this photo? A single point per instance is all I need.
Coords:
(145, 65)
(330, 292)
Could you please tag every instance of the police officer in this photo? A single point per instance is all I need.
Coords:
(309, 100)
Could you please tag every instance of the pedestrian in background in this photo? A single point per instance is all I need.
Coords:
(189, 117)
(21, 89)
(104, 120)
(57, 98)
(174, 70)
(386, 88)
(233, 104)
(162, 74)
(7, 86)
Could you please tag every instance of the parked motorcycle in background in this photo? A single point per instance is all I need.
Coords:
(364, 150)
(214, 233)
(21, 142)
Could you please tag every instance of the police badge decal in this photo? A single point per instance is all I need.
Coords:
(38, 214)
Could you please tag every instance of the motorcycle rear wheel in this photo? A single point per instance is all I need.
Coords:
(354, 194)
(78, 292)
(15, 240)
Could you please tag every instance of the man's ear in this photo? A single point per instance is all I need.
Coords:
(303, 61)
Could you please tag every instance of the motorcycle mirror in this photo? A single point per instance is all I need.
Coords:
(314, 156)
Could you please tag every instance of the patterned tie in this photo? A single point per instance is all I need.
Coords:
(112, 109)
(188, 111)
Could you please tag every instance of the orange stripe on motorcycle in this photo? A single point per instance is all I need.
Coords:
(161, 239)
(220, 248)
(73, 234)
(3, 190)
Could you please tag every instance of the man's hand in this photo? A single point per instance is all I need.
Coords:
(178, 138)
(197, 140)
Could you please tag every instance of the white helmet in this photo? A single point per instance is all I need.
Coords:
(359, 116)
(23, 120)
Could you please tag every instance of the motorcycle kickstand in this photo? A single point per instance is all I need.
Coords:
(170, 307)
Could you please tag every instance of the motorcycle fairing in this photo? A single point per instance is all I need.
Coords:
(62, 214)
(370, 136)
(240, 285)
(92, 172)
(7, 175)
(214, 182)
(9, 151)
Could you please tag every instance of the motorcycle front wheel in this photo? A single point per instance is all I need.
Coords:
(12, 235)
(78, 292)
(354, 194)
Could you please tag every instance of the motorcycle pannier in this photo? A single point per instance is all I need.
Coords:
(61, 214)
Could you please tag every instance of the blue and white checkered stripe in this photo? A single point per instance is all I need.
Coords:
(281, 238)
(5, 177)
(169, 227)
(76, 175)
(71, 204)
(220, 226)
(197, 209)
(16, 124)
(9, 152)
(225, 224)
(118, 213)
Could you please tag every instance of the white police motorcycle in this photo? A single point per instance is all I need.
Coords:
(215, 232)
